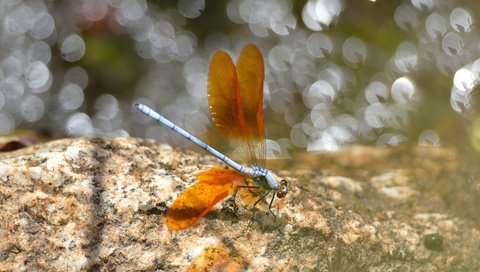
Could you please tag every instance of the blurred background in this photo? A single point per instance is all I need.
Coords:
(337, 72)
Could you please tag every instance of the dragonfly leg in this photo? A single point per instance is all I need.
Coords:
(236, 190)
(270, 208)
(258, 201)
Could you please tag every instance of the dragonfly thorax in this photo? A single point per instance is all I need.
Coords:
(264, 179)
(269, 183)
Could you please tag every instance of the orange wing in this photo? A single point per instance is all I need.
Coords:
(194, 203)
(250, 72)
(224, 97)
(250, 79)
(235, 96)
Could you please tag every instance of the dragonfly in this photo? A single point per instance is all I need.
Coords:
(235, 98)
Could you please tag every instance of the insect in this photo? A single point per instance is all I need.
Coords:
(235, 97)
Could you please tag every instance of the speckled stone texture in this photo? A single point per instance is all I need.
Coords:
(99, 205)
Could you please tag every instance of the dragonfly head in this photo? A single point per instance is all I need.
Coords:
(270, 183)
(283, 189)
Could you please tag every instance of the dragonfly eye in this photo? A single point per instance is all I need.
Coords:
(283, 189)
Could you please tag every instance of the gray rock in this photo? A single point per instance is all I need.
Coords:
(100, 204)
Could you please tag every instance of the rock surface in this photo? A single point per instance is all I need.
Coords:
(99, 204)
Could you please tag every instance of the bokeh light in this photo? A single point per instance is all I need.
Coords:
(72, 48)
(337, 72)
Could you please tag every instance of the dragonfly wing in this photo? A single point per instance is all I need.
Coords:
(224, 97)
(235, 96)
(196, 201)
(250, 73)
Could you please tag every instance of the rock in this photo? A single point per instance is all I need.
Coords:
(100, 204)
